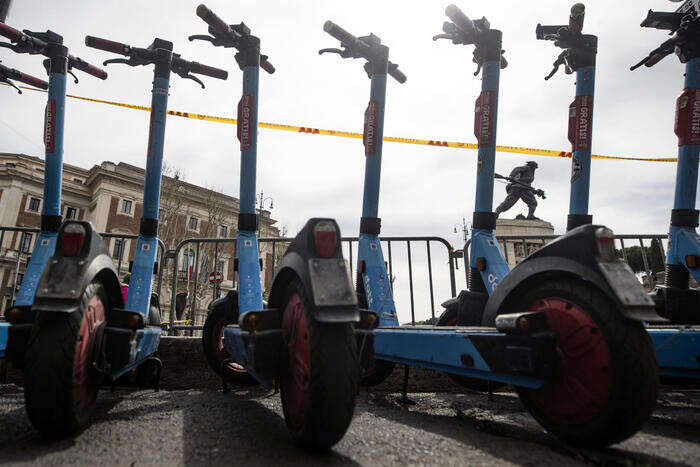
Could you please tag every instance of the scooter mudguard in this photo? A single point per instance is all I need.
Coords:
(577, 253)
(68, 273)
(333, 298)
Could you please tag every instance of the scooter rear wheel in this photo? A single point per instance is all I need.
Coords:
(606, 381)
(319, 384)
(60, 381)
(216, 353)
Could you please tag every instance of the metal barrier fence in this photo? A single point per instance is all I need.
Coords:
(274, 242)
(526, 241)
(20, 254)
(526, 244)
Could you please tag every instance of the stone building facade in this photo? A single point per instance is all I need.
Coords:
(516, 250)
(109, 195)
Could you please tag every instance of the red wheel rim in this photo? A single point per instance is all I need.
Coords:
(582, 384)
(220, 349)
(85, 377)
(295, 331)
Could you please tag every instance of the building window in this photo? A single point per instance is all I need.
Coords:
(126, 206)
(161, 214)
(39, 169)
(26, 242)
(71, 213)
(220, 267)
(34, 204)
(192, 225)
(118, 248)
(78, 180)
(223, 231)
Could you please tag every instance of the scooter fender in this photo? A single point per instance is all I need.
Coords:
(574, 254)
(332, 299)
(67, 276)
(332, 296)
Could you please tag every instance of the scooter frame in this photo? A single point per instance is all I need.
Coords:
(58, 63)
(677, 345)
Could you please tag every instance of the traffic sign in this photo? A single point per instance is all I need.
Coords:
(215, 277)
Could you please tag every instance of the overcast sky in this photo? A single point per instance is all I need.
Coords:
(425, 190)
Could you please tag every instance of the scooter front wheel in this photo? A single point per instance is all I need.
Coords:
(319, 384)
(606, 381)
(215, 352)
(60, 380)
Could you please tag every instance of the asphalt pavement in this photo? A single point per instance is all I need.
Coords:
(205, 427)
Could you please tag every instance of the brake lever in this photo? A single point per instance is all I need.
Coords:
(201, 37)
(443, 36)
(10, 83)
(561, 60)
(117, 60)
(75, 78)
(344, 53)
(192, 77)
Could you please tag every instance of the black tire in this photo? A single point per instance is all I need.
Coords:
(60, 381)
(379, 370)
(616, 377)
(216, 353)
(318, 395)
(450, 317)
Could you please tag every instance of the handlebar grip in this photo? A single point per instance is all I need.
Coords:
(578, 12)
(211, 19)
(267, 66)
(339, 33)
(10, 32)
(107, 45)
(460, 19)
(397, 74)
(654, 59)
(206, 70)
(30, 80)
(82, 65)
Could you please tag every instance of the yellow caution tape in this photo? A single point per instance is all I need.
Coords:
(349, 134)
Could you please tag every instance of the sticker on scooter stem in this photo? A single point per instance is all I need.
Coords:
(580, 117)
(575, 169)
(484, 118)
(245, 112)
(687, 125)
(50, 126)
(371, 128)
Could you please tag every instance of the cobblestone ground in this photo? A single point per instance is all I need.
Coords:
(244, 428)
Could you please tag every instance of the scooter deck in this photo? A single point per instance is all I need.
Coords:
(677, 350)
(480, 352)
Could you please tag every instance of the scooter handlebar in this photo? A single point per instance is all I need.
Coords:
(460, 20)
(11, 33)
(82, 65)
(209, 17)
(198, 68)
(397, 74)
(30, 80)
(578, 12)
(107, 45)
(267, 66)
(339, 33)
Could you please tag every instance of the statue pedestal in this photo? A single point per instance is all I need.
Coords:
(515, 249)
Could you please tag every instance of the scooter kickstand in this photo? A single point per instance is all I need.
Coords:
(404, 394)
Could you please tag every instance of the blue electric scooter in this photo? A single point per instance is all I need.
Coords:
(7, 76)
(564, 319)
(15, 331)
(303, 341)
(678, 346)
(579, 56)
